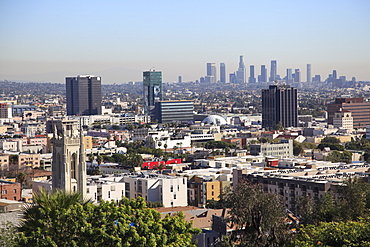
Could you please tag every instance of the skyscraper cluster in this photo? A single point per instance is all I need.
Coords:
(240, 75)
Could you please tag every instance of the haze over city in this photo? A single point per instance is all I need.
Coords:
(117, 40)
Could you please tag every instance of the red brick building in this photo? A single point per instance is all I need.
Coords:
(10, 190)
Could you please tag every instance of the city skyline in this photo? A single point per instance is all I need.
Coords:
(44, 42)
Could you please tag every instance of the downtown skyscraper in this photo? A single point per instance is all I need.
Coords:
(297, 75)
(211, 73)
(308, 71)
(289, 76)
(83, 95)
(240, 74)
(273, 71)
(263, 76)
(252, 79)
(222, 73)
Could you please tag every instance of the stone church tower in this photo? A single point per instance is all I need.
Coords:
(69, 166)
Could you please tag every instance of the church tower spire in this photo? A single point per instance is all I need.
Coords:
(69, 166)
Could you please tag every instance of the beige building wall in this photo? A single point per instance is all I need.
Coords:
(213, 190)
(3, 129)
(88, 143)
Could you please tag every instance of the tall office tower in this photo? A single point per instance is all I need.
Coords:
(360, 110)
(279, 104)
(263, 77)
(308, 71)
(222, 73)
(297, 75)
(152, 82)
(343, 79)
(353, 80)
(317, 78)
(232, 78)
(334, 74)
(83, 95)
(240, 74)
(252, 79)
(273, 70)
(180, 79)
(211, 73)
(68, 163)
(289, 76)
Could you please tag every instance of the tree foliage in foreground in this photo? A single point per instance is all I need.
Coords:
(258, 216)
(349, 234)
(62, 219)
(353, 202)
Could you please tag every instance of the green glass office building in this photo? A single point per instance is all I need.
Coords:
(152, 83)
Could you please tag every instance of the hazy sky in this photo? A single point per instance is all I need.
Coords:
(118, 39)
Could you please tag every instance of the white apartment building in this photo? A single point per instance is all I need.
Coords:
(159, 139)
(343, 120)
(284, 149)
(170, 191)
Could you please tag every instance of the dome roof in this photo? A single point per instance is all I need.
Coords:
(215, 120)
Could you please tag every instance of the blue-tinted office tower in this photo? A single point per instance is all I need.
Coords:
(297, 75)
(309, 78)
(232, 78)
(252, 79)
(273, 70)
(263, 76)
(211, 73)
(289, 76)
(334, 74)
(83, 95)
(222, 73)
(240, 74)
(152, 83)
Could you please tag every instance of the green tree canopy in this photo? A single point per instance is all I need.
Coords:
(330, 139)
(351, 233)
(62, 219)
(258, 216)
(351, 203)
(336, 156)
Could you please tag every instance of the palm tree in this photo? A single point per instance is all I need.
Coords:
(45, 207)
(91, 158)
(99, 159)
